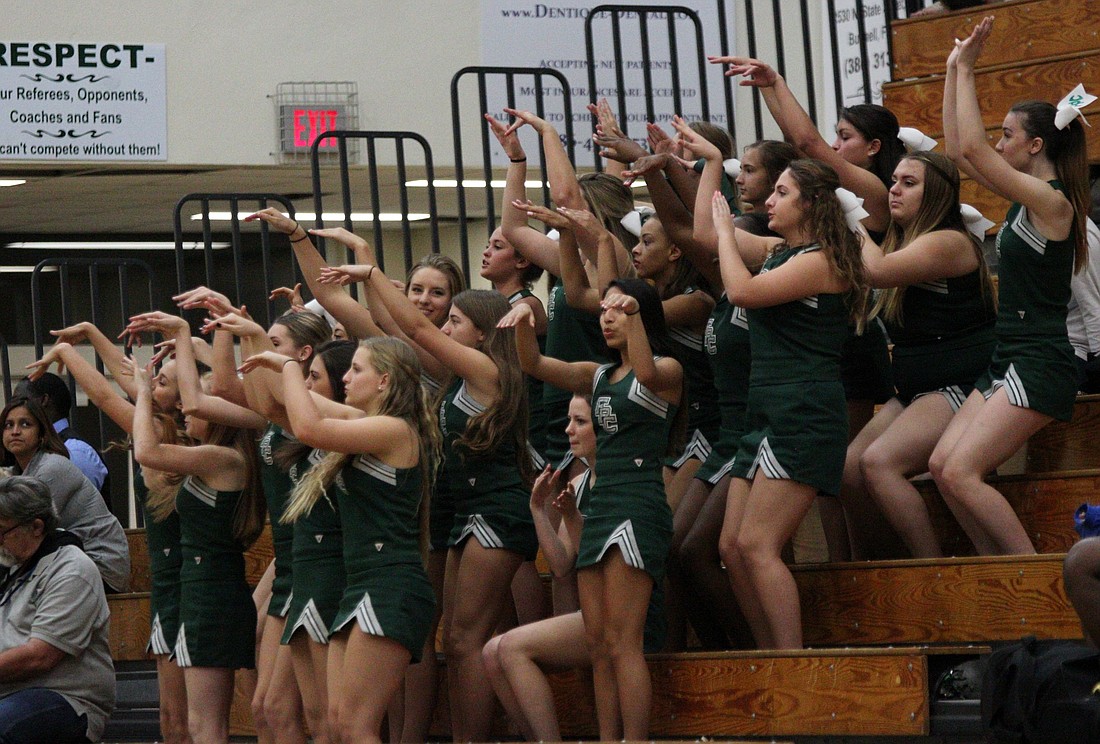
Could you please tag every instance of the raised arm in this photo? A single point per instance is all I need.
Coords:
(802, 276)
(573, 376)
(352, 433)
(214, 465)
(799, 129)
(579, 292)
(474, 366)
(559, 554)
(97, 387)
(663, 376)
(564, 188)
(342, 306)
(529, 242)
(936, 255)
(195, 402)
(111, 355)
(1048, 209)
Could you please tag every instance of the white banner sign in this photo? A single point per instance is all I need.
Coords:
(850, 61)
(553, 38)
(82, 101)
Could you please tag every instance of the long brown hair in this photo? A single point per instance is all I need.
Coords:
(405, 398)
(162, 484)
(939, 210)
(1066, 149)
(506, 418)
(817, 184)
(48, 440)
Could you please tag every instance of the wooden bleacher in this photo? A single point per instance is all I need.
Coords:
(881, 631)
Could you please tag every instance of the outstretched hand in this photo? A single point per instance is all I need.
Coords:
(720, 211)
(271, 360)
(971, 47)
(235, 323)
(699, 145)
(346, 274)
(538, 212)
(755, 73)
(206, 298)
(620, 301)
(293, 296)
(540, 125)
(520, 313)
(507, 137)
(545, 488)
(52, 355)
(276, 219)
(342, 236)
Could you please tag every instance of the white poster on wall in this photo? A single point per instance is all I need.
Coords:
(521, 33)
(850, 60)
(82, 101)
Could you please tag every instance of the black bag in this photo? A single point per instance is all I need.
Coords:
(1039, 692)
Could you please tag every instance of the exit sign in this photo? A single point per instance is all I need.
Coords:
(301, 125)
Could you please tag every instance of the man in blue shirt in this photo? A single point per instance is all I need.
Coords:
(52, 392)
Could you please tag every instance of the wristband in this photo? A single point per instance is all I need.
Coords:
(519, 160)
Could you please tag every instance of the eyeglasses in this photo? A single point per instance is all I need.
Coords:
(4, 533)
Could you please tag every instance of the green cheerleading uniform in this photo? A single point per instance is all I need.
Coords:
(628, 508)
(944, 339)
(536, 406)
(656, 628)
(1033, 361)
(704, 419)
(388, 593)
(571, 336)
(491, 502)
(726, 343)
(318, 563)
(797, 420)
(217, 617)
(162, 539)
(277, 486)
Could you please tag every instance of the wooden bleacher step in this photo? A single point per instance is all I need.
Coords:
(949, 600)
(919, 103)
(1025, 30)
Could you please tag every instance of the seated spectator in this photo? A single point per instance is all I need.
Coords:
(53, 394)
(32, 447)
(57, 682)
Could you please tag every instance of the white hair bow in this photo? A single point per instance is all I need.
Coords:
(975, 221)
(852, 205)
(915, 140)
(632, 220)
(1069, 108)
(732, 167)
(553, 235)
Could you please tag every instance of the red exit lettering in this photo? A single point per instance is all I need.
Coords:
(309, 124)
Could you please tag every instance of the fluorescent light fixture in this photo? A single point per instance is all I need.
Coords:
(25, 269)
(112, 245)
(478, 183)
(326, 216)
(12, 182)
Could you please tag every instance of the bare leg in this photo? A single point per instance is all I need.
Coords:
(862, 516)
(626, 594)
(282, 699)
(310, 670)
(265, 655)
(997, 431)
(173, 701)
(480, 595)
(774, 510)
(558, 643)
(494, 672)
(1082, 579)
(362, 707)
(713, 610)
(678, 484)
(336, 684)
(590, 585)
(736, 570)
(209, 695)
(896, 455)
(528, 594)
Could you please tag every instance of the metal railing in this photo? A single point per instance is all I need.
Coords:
(241, 273)
(539, 77)
(372, 138)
